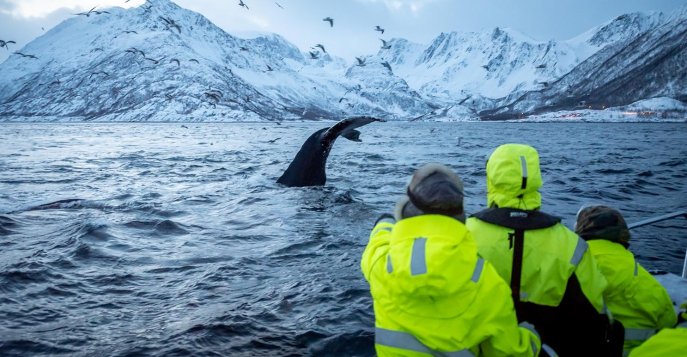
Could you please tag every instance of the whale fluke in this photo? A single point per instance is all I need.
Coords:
(308, 167)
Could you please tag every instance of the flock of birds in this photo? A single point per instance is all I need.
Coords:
(169, 24)
(319, 48)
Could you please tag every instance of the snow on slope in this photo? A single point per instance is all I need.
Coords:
(162, 62)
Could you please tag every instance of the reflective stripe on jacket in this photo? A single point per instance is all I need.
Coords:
(633, 295)
(667, 342)
(434, 296)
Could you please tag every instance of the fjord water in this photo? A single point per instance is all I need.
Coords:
(174, 239)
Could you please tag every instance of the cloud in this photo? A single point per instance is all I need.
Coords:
(42, 8)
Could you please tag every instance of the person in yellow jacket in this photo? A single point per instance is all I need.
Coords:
(432, 294)
(555, 283)
(634, 296)
(667, 342)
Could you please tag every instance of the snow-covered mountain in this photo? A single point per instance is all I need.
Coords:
(159, 62)
(651, 62)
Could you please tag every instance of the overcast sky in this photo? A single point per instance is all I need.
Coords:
(300, 21)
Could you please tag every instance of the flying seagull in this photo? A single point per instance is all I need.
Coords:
(361, 61)
(241, 3)
(377, 28)
(25, 55)
(5, 43)
(387, 65)
(321, 47)
(175, 60)
(385, 45)
(314, 55)
(170, 23)
(278, 4)
(330, 20)
(87, 14)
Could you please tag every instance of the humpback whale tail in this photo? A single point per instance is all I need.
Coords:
(308, 167)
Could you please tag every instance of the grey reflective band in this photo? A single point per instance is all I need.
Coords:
(638, 334)
(406, 341)
(388, 229)
(607, 312)
(478, 270)
(523, 162)
(636, 264)
(549, 350)
(580, 249)
(418, 263)
(528, 326)
(389, 267)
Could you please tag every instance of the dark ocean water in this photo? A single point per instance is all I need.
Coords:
(163, 239)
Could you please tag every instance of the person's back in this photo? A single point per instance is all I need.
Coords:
(634, 296)
(432, 294)
(555, 282)
(667, 342)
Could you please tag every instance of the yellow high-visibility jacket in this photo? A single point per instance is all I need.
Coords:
(432, 293)
(669, 342)
(633, 295)
(560, 286)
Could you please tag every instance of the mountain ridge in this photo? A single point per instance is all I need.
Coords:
(160, 62)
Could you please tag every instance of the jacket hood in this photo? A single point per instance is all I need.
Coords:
(514, 177)
(431, 262)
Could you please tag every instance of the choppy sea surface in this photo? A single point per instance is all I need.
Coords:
(174, 239)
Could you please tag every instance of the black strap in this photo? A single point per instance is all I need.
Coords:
(516, 271)
(516, 218)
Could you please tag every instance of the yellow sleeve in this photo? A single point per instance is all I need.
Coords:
(378, 245)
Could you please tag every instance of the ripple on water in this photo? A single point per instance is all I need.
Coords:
(161, 227)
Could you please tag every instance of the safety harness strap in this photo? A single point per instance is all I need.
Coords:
(516, 270)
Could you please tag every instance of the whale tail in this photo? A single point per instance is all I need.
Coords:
(308, 167)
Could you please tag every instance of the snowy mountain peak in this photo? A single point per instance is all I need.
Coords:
(162, 62)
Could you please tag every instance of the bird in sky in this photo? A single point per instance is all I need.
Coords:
(87, 14)
(170, 23)
(193, 60)
(278, 4)
(385, 45)
(5, 43)
(25, 55)
(99, 72)
(361, 61)
(387, 66)
(135, 50)
(269, 69)
(314, 55)
(175, 60)
(377, 28)
(319, 45)
(243, 4)
(330, 20)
